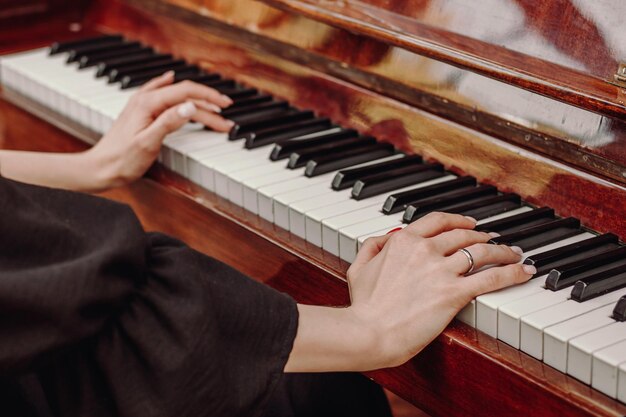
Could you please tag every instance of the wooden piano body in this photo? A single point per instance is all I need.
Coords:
(523, 94)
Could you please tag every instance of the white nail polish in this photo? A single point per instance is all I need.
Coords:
(517, 250)
(215, 108)
(187, 109)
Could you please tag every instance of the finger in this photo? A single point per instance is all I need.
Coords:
(162, 80)
(213, 121)
(484, 254)
(206, 106)
(172, 95)
(169, 121)
(435, 223)
(370, 248)
(496, 278)
(453, 240)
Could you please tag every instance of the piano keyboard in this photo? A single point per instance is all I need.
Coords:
(335, 188)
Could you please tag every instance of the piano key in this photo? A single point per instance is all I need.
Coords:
(533, 325)
(444, 203)
(138, 61)
(605, 367)
(252, 185)
(398, 202)
(394, 179)
(272, 135)
(243, 127)
(75, 53)
(300, 158)
(251, 100)
(619, 312)
(130, 81)
(536, 236)
(599, 284)
(346, 178)
(284, 149)
(521, 221)
(148, 65)
(556, 337)
(340, 160)
(125, 50)
(490, 206)
(621, 384)
(59, 47)
(488, 305)
(545, 261)
(580, 349)
(237, 94)
(566, 275)
(218, 84)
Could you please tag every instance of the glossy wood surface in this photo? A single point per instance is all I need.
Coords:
(463, 372)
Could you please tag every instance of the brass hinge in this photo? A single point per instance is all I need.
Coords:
(620, 75)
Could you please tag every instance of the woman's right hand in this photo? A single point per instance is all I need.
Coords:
(408, 285)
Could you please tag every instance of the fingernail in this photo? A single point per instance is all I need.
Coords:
(214, 107)
(187, 109)
(394, 230)
(230, 123)
(227, 99)
(529, 269)
(168, 74)
(471, 219)
(494, 234)
(517, 250)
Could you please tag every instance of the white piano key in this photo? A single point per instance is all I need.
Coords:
(283, 201)
(621, 383)
(532, 325)
(363, 238)
(298, 209)
(556, 338)
(348, 236)
(246, 159)
(468, 314)
(251, 185)
(237, 179)
(265, 195)
(487, 305)
(605, 368)
(580, 349)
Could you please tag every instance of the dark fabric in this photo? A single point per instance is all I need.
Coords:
(98, 318)
(327, 395)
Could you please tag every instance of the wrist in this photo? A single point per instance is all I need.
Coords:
(99, 170)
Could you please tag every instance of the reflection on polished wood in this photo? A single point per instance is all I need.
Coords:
(463, 372)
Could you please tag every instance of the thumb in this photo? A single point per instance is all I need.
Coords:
(169, 121)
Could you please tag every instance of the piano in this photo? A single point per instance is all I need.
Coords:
(357, 117)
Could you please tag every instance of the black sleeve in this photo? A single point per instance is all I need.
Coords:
(114, 321)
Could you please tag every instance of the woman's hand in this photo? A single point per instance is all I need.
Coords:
(131, 146)
(405, 289)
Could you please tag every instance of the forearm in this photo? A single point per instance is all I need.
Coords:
(333, 339)
(71, 171)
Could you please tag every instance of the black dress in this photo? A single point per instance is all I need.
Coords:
(99, 318)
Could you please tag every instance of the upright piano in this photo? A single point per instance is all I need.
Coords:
(357, 117)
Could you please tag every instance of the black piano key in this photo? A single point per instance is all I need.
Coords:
(260, 108)
(125, 50)
(130, 81)
(263, 122)
(566, 275)
(59, 47)
(200, 78)
(347, 177)
(447, 201)
(482, 204)
(619, 312)
(541, 235)
(346, 159)
(492, 206)
(250, 101)
(398, 202)
(220, 85)
(393, 179)
(105, 68)
(548, 260)
(75, 54)
(117, 74)
(237, 94)
(292, 130)
(600, 284)
(519, 221)
(283, 149)
(300, 158)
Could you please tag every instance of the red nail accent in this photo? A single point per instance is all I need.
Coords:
(394, 230)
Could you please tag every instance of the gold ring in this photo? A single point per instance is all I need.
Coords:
(470, 258)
